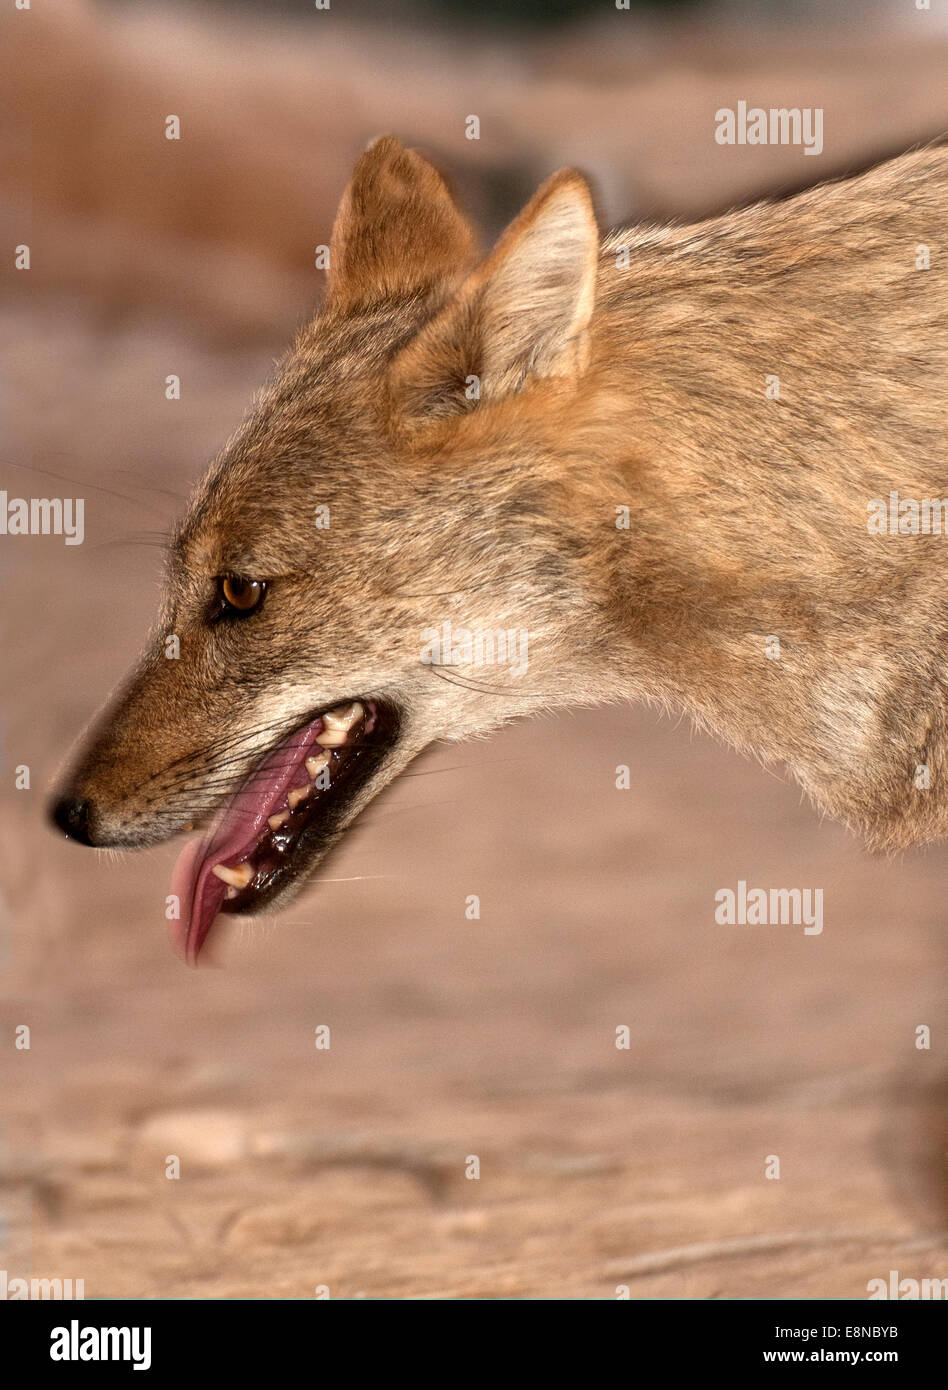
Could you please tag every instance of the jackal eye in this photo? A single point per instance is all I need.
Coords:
(238, 597)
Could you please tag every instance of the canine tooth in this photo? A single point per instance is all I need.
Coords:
(344, 717)
(314, 766)
(297, 795)
(238, 877)
(331, 738)
(275, 822)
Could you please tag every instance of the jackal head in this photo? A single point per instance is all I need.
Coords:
(379, 558)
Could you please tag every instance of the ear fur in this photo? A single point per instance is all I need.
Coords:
(398, 231)
(524, 313)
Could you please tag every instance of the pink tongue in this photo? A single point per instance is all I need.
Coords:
(230, 838)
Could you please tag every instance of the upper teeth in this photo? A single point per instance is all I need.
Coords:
(344, 717)
(314, 766)
(337, 723)
(238, 877)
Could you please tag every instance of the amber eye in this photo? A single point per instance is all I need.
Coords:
(240, 596)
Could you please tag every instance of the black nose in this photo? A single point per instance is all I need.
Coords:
(72, 817)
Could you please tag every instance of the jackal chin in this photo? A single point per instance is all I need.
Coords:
(282, 819)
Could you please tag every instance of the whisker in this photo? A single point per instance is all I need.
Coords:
(181, 497)
(73, 481)
(157, 541)
(357, 878)
(467, 684)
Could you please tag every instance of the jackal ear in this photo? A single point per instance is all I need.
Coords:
(524, 313)
(398, 230)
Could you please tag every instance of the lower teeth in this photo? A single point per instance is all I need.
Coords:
(237, 877)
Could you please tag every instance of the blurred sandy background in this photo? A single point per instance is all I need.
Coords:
(450, 1038)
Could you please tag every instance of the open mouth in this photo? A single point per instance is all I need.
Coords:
(288, 808)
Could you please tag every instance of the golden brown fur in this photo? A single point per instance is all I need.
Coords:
(607, 380)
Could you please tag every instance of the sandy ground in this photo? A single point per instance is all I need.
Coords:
(348, 1169)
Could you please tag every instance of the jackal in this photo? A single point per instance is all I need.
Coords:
(655, 454)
